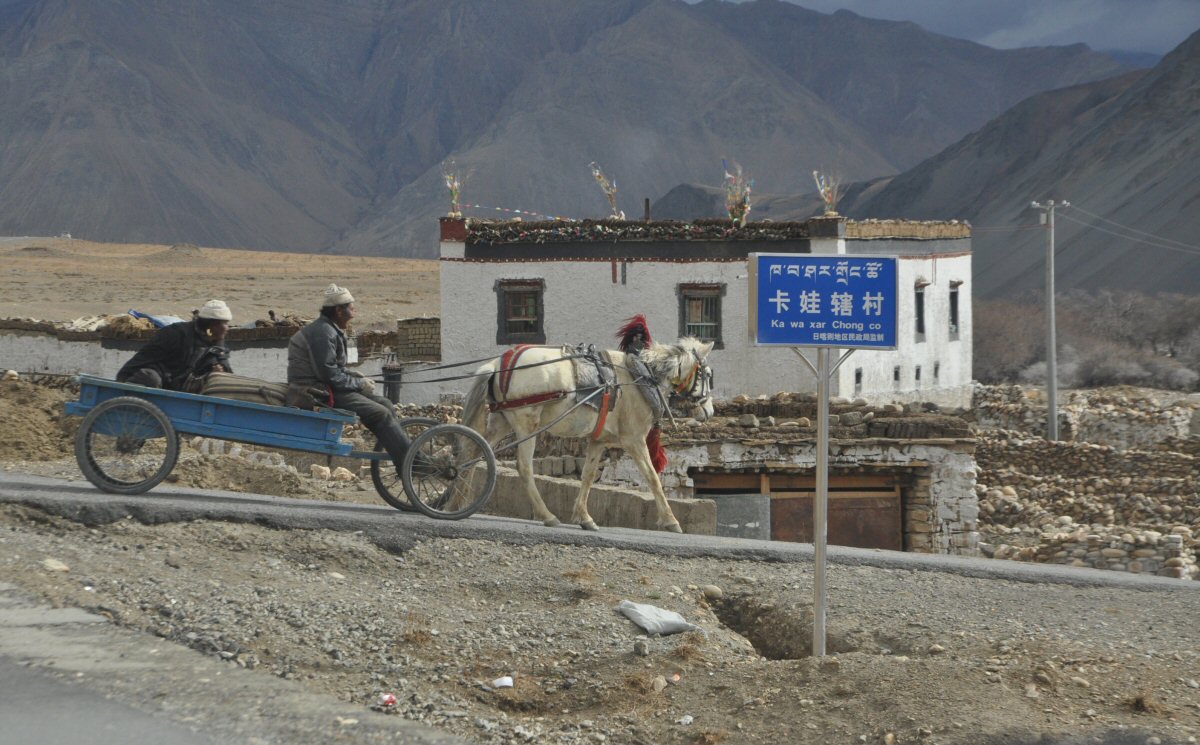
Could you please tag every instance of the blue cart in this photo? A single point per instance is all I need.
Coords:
(128, 442)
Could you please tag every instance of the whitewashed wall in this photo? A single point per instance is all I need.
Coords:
(44, 353)
(47, 354)
(952, 357)
(583, 304)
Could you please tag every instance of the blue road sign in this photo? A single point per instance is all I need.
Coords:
(823, 300)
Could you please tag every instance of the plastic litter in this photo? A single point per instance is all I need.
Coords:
(158, 321)
(504, 682)
(654, 620)
(386, 700)
(685, 720)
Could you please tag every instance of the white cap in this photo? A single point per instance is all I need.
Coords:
(335, 296)
(216, 310)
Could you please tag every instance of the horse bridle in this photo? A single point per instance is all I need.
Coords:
(699, 376)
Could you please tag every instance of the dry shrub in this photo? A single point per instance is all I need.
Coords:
(1143, 702)
(638, 684)
(709, 737)
(584, 574)
(689, 648)
(416, 629)
(525, 697)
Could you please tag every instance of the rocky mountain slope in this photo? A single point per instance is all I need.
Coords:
(1123, 151)
(324, 126)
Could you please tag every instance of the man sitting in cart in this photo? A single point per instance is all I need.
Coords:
(178, 356)
(317, 359)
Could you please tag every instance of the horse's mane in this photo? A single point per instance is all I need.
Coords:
(668, 359)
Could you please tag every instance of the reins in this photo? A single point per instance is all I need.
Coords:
(478, 374)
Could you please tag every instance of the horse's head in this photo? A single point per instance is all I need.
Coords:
(693, 379)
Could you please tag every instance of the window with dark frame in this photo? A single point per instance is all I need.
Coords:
(919, 311)
(896, 375)
(520, 311)
(858, 376)
(954, 311)
(917, 376)
(700, 312)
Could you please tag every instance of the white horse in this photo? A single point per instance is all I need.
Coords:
(541, 387)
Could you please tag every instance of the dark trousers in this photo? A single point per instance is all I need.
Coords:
(147, 376)
(377, 414)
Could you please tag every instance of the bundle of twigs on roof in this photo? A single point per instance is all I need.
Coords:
(487, 232)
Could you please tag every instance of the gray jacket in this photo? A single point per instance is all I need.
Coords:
(317, 357)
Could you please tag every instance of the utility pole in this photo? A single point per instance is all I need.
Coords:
(1051, 343)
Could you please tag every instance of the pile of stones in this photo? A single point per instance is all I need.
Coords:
(1130, 502)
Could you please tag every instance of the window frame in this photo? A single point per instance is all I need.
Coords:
(503, 289)
(955, 319)
(919, 320)
(686, 291)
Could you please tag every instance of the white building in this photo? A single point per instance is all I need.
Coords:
(505, 283)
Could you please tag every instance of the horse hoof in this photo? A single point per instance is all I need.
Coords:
(551, 523)
(588, 525)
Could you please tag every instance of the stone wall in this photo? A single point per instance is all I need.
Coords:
(419, 339)
(912, 229)
(940, 507)
(1088, 505)
(1119, 417)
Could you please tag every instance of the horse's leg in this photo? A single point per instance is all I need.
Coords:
(591, 466)
(525, 468)
(666, 518)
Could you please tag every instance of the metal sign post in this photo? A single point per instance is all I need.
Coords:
(827, 302)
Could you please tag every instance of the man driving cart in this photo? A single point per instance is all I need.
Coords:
(317, 360)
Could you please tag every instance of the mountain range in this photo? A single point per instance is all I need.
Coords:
(325, 125)
(1123, 152)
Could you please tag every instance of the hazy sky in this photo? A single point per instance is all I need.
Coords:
(1155, 26)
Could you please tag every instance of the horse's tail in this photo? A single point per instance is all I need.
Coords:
(475, 404)
(658, 456)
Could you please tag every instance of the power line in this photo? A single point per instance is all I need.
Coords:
(1135, 230)
(1003, 228)
(1184, 248)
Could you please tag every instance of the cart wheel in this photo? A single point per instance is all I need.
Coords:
(383, 472)
(126, 445)
(449, 472)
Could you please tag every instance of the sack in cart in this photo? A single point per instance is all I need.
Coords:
(243, 388)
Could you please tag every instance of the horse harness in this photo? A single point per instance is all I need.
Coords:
(594, 377)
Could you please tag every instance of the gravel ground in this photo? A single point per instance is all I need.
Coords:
(921, 656)
(916, 656)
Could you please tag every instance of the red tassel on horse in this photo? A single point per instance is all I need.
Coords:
(634, 335)
(658, 456)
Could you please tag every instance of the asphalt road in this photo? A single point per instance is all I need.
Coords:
(67, 676)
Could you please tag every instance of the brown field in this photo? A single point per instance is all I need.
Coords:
(61, 279)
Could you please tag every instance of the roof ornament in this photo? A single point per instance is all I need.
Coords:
(454, 181)
(830, 190)
(610, 191)
(737, 193)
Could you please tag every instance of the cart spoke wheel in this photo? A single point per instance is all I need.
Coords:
(383, 472)
(449, 472)
(126, 445)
